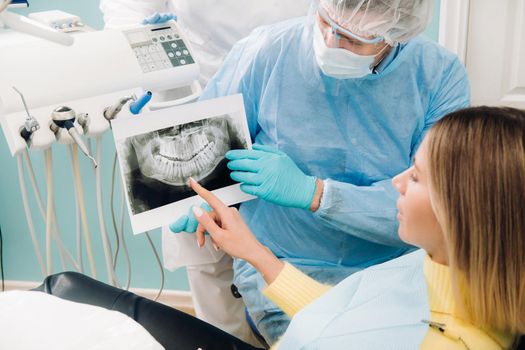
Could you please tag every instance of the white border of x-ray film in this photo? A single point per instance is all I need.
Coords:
(124, 128)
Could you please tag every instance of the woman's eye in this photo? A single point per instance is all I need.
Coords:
(413, 177)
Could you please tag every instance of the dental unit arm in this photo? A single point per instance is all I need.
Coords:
(31, 27)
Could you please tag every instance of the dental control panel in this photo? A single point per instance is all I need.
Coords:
(159, 47)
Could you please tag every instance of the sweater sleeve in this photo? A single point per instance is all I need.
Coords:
(292, 290)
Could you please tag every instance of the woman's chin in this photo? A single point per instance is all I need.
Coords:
(402, 234)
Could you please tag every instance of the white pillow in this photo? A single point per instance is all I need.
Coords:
(35, 320)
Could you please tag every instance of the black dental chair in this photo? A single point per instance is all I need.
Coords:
(172, 328)
(521, 343)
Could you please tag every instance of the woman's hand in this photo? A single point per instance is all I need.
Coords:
(225, 226)
(230, 233)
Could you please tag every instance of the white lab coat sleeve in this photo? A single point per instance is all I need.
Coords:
(180, 249)
(121, 13)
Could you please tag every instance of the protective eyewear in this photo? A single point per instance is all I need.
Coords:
(338, 30)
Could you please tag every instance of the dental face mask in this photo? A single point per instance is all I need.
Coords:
(340, 63)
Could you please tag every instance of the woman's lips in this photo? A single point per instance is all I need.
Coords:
(399, 212)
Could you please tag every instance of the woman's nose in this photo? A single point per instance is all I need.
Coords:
(399, 182)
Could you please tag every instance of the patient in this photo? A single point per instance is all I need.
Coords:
(463, 203)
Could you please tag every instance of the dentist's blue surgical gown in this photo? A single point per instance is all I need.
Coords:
(356, 134)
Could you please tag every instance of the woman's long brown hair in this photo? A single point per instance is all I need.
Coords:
(477, 179)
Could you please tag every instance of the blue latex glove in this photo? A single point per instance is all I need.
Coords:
(158, 18)
(188, 223)
(270, 174)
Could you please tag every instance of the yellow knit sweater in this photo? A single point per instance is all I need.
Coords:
(292, 290)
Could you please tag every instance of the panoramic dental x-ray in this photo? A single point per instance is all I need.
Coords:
(160, 163)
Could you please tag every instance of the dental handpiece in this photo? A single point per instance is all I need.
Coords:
(75, 136)
(135, 107)
(31, 124)
(64, 117)
(111, 112)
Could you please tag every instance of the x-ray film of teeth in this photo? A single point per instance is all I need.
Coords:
(162, 161)
(156, 165)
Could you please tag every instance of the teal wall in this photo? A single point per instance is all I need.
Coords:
(19, 259)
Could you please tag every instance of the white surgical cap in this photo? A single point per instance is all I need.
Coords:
(397, 21)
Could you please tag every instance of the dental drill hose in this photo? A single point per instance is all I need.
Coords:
(51, 221)
(49, 209)
(29, 218)
(83, 215)
(119, 233)
(112, 278)
(78, 228)
(159, 263)
(64, 253)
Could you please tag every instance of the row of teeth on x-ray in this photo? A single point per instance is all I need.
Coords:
(190, 165)
(185, 150)
(191, 155)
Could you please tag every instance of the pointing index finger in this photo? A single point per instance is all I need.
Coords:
(209, 197)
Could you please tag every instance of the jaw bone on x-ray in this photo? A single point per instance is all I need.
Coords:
(173, 155)
(162, 161)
